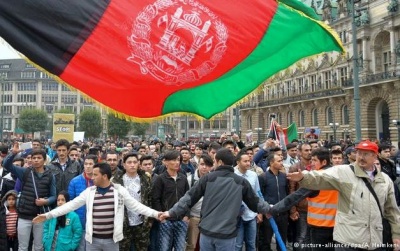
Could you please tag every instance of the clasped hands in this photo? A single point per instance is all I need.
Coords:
(162, 216)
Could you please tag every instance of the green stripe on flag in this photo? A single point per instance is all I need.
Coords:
(290, 37)
(291, 132)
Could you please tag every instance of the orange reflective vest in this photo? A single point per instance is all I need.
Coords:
(322, 209)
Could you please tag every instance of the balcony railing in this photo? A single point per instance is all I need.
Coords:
(378, 77)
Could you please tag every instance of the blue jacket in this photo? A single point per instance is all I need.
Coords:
(76, 187)
(68, 238)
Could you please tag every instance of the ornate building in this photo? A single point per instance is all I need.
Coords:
(317, 92)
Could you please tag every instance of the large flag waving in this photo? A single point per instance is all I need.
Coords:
(148, 58)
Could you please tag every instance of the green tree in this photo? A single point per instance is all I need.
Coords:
(32, 120)
(140, 129)
(90, 123)
(118, 127)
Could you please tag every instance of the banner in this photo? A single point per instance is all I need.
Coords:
(63, 126)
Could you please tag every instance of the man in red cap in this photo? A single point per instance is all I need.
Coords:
(358, 222)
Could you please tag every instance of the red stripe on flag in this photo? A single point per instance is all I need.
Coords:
(105, 69)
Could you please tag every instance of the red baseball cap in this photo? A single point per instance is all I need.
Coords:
(367, 146)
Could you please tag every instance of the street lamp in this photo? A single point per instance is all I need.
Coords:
(356, 82)
(258, 129)
(397, 124)
(334, 127)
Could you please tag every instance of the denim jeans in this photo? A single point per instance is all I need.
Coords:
(208, 243)
(154, 233)
(302, 231)
(247, 233)
(266, 232)
(82, 244)
(323, 236)
(25, 227)
(102, 245)
(172, 235)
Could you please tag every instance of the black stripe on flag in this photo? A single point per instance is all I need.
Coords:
(49, 32)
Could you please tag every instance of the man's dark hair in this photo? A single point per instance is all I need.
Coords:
(92, 157)
(290, 146)
(130, 155)
(334, 144)
(4, 149)
(146, 157)
(112, 152)
(322, 154)
(336, 152)
(207, 160)
(39, 152)
(37, 140)
(303, 144)
(214, 146)
(19, 159)
(226, 156)
(84, 147)
(104, 168)
(172, 155)
(62, 142)
(142, 147)
(247, 148)
(94, 151)
(383, 147)
(275, 149)
(184, 148)
(228, 142)
(271, 157)
(74, 148)
(239, 155)
(198, 146)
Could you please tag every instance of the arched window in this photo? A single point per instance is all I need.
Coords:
(329, 115)
(289, 118)
(315, 117)
(301, 118)
(345, 115)
(249, 122)
(279, 118)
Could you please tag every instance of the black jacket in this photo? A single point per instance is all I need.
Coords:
(63, 178)
(223, 193)
(167, 191)
(273, 187)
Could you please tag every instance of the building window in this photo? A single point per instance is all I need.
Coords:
(49, 98)
(313, 80)
(345, 115)
(44, 75)
(206, 124)
(29, 66)
(223, 124)
(7, 123)
(7, 87)
(249, 122)
(329, 115)
(289, 118)
(7, 109)
(26, 98)
(300, 86)
(51, 86)
(4, 74)
(279, 118)
(327, 79)
(191, 125)
(28, 86)
(315, 117)
(7, 98)
(301, 118)
(343, 75)
(28, 74)
(4, 66)
(49, 108)
(64, 88)
(386, 61)
(69, 99)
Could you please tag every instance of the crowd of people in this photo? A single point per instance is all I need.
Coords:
(221, 195)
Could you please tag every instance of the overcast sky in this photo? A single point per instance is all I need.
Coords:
(6, 52)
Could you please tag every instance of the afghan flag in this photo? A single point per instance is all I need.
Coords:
(148, 58)
(283, 135)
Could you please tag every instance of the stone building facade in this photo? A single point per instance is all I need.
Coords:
(317, 92)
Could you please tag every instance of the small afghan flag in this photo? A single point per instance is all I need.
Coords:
(148, 58)
(283, 135)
